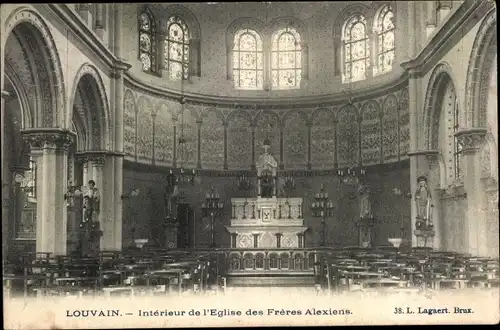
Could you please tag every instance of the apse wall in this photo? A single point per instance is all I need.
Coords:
(310, 143)
(321, 20)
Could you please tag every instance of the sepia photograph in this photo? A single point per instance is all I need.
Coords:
(241, 164)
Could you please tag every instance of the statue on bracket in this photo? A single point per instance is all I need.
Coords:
(266, 172)
(423, 200)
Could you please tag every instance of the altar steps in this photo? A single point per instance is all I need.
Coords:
(294, 280)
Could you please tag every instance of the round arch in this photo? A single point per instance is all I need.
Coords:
(483, 54)
(440, 77)
(88, 85)
(40, 49)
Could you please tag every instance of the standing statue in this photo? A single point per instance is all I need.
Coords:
(365, 205)
(91, 203)
(171, 194)
(423, 200)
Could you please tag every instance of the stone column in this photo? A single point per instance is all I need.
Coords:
(6, 183)
(431, 17)
(50, 148)
(413, 109)
(98, 162)
(84, 12)
(472, 141)
(108, 205)
(119, 69)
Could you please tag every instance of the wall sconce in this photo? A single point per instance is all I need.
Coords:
(133, 193)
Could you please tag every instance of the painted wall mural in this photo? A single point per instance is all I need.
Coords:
(370, 132)
(404, 124)
(390, 144)
(129, 123)
(348, 136)
(295, 140)
(322, 139)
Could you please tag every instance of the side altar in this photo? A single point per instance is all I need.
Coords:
(267, 221)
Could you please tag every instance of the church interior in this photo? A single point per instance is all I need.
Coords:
(196, 148)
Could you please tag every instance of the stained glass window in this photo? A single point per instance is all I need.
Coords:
(385, 39)
(177, 49)
(248, 69)
(286, 59)
(356, 50)
(147, 41)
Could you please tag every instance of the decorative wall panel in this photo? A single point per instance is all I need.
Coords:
(239, 140)
(266, 126)
(347, 136)
(212, 140)
(188, 128)
(295, 140)
(130, 124)
(390, 147)
(370, 133)
(404, 125)
(164, 136)
(144, 130)
(323, 139)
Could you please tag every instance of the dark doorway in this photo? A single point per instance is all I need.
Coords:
(185, 232)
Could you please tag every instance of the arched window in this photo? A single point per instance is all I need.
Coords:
(177, 49)
(286, 59)
(356, 50)
(385, 28)
(147, 45)
(248, 69)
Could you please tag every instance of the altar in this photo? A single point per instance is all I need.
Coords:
(267, 221)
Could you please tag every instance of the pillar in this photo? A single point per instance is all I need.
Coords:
(99, 20)
(50, 150)
(119, 69)
(431, 17)
(472, 140)
(108, 205)
(6, 183)
(84, 12)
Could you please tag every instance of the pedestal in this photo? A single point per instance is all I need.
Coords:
(365, 232)
(171, 235)
(425, 238)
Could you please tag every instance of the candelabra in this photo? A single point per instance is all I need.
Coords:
(322, 208)
(244, 182)
(212, 206)
(351, 176)
(185, 176)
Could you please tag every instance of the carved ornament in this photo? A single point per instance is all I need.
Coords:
(471, 139)
(49, 138)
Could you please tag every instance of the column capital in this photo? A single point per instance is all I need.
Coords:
(5, 95)
(119, 68)
(96, 157)
(471, 139)
(47, 138)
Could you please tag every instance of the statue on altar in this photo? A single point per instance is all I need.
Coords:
(171, 194)
(423, 202)
(365, 205)
(266, 172)
(91, 203)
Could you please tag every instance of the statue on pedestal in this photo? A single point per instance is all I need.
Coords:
(91, 203)
(423, 200)
(266, 172)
